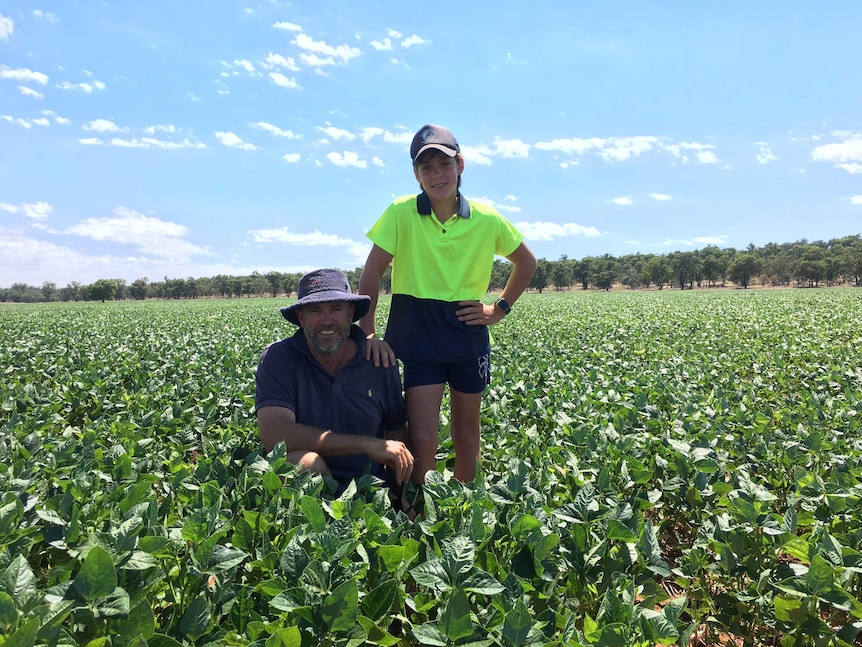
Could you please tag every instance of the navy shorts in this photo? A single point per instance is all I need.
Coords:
(469, 376)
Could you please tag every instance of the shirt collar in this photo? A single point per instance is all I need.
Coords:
(423, 205)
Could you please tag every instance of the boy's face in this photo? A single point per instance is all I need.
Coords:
(438, 174)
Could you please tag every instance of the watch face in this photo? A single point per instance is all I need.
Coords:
(503, 305)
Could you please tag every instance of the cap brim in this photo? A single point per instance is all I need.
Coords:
(451, 152)
(361, 303)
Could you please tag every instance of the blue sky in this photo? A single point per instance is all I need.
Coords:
(165, 138)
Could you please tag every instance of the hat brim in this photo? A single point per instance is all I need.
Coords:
(451, 152)
(361, 303)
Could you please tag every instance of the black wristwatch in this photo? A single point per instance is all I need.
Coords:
(504, 306)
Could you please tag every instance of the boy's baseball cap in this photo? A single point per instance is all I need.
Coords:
(431, 136)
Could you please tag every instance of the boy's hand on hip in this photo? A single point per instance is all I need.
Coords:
(476, 313)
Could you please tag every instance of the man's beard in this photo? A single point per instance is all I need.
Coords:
(334, 343)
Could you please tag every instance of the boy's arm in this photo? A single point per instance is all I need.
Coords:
(476, 313)
(524, 266)
(369, 283)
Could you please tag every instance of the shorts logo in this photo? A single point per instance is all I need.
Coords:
(484, 367)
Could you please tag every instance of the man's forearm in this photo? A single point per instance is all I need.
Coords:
(299, 437)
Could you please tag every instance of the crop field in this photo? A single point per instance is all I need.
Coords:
(658, 468)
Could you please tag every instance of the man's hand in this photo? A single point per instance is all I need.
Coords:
(379, 351)
(395, 455)
(476, 313)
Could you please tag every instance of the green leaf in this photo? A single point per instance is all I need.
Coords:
(820, 576)
(516, 627)
(789, 610)
(197, 620)
(25, 636)
(117, 604)
(429, 634)
(287, 637)
(222, 558)
(339, 608)
(659, 627)
(618, 531)
(97, 577)
(377, 602)
(478, 581)
(140, 623)
(313, 513)
(19, 582)
(431, 574)
(293, 561)
(8, 610)
(375, 634)
(455, 620)
(243, 534)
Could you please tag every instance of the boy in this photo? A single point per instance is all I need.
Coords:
(442, 250)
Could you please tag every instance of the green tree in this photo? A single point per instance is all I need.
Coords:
(743, 268)
(102, 290)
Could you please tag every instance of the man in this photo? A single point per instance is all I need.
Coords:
(338, 413)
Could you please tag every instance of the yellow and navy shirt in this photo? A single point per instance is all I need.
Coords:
(435, 265)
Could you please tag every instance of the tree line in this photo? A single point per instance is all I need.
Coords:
(801, 264)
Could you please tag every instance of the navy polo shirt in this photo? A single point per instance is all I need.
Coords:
(361, 399)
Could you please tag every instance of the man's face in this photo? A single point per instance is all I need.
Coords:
(326, 325)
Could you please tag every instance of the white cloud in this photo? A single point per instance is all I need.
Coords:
(287, 26)
(612, 149)
(367, 134)
(44, 15)
(480, 155)
(765, 156)
(337, 133)
(661, 197)
(275, 130)
(291, 158)
(511, 148)
(378, 161)
(248, 66)
(703, 153)
(280, 79)
(149, 235)
(34, 210)
(83, 87)
(313, 239)
(624, 201)
(25, 123)
(846, 155)
(167, 128)
(342, 52)
(856, 199)
(706, 157)
(501, 206)
(314, 60)
(382, 45)
(709, 240)
(277, 60)
(7, 26)
(37, 210)
(550, 230)
(143, 142)
(346, 159)
(30, 92)
(234, 141)
(104, 126)
(23, 74)
(410, 41)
